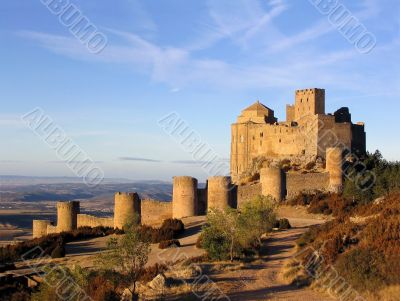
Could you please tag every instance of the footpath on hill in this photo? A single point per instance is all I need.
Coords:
(262, 280)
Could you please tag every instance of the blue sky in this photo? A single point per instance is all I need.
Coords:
(206, 60)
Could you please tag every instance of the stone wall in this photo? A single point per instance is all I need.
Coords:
(51, 229)
(309, 182)
(85, 220)
(202, 201)
(155, 212)
(246, 193)
(39, 228)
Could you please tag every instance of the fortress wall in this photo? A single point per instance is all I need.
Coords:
(127, 205)
(155, 212)
(184, 199)
(277, 141)
(219, 192)
(358, 138)
(274, 141)
(202, 201)
(239, 150)
(333, 134)
(246, 193)
(297, 183)
(67, 216)
(51, 229)
(85, 220)
(273, 181)
(39, 228)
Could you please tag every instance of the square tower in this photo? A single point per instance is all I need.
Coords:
(309, 102)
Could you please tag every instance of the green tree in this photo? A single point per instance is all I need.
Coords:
(126, 255)
(257, 218)
(221, 234)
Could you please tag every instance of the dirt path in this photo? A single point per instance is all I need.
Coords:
(261, 280)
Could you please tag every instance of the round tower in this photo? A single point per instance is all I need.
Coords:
(273, 182)
(184, 197)
(219, 191)
(127, 205)
(67, 213)
(334, 162)
(39, 228)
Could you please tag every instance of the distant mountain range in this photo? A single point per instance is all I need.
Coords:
(32, 180)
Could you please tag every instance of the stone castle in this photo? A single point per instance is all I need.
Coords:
(305, 135)
(281, 148)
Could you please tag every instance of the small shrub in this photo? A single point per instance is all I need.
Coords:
(284, 224)
(175, 224)
(215, 243)
(151, 272)
(169, 243)
(58, 252)
(100, 288)
(199, 242)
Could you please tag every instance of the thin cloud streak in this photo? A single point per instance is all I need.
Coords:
(137, 159)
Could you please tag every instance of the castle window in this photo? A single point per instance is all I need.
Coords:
(261, 135)
(280, 140)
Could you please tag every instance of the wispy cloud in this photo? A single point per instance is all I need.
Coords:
(139, 159)
(282, 62)
(11, 121)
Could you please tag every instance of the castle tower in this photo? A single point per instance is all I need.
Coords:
(67, 213)
(126, 206)
(273, 183)
(39, 228)
(307, 102)
(255, 115)
(184, 199)
(219, 191)
(334, 162)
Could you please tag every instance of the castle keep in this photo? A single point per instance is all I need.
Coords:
(305, 135)
(305, 153)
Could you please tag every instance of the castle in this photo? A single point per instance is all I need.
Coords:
(307, 136)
